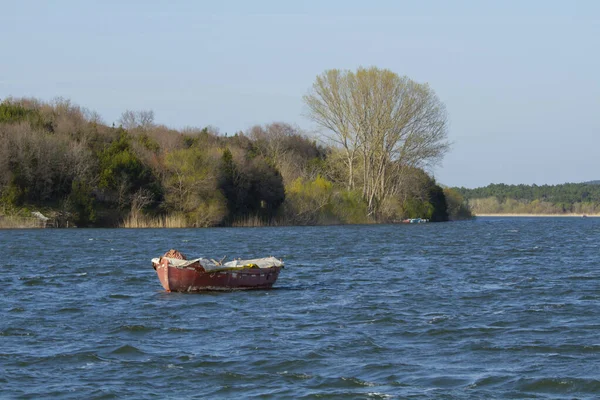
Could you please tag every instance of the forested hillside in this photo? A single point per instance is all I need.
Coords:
(62, 160)
(576, 198)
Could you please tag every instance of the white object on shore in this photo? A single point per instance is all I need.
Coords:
(40, 216)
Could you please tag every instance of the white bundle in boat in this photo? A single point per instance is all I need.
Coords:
(266, 262)
(211, 265)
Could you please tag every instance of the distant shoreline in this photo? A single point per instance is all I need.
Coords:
(539, 215)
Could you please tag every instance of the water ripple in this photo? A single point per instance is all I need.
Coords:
(492, 308)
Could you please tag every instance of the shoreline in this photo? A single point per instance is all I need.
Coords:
(539, 215)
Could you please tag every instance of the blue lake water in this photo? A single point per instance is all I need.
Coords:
(505, 308)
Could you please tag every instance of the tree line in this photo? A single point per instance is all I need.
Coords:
(576, 198)
(64, 160)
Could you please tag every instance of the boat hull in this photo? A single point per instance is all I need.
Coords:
(193, 278)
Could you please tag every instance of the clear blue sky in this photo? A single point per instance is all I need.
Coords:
(520, 79)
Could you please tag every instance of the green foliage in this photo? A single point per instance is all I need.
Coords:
(122, 172)
(190, 141)
(349, 207)
(309, 202)
(196, 139)
(81, 203)
(319, 188)
(568, 193)
(319, 201)
(209, 212)
(252, 186)
(228, 164)
(316, 166)
(190, 187)
(415, 208)
(59, 159)
(383, 122)
(117, 161)
(424, 198)
(534, 199)
(12, 196)
(491, 205)
(40, 166)
(148, 142)
(437, 200)
(458, 208)
(13, 112)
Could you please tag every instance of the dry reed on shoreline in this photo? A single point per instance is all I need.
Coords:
(137, 221)
(12, 222)
(252, 221)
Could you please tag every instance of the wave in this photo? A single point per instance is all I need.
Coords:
(33, 280)
(178, 329)
(127, 350)
(119, 296)
(541, 349)
(70, 310)
(138, 328)
(559, 385)
(17, 332)
(587, 277)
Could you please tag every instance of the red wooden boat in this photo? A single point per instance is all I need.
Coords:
(177, 274)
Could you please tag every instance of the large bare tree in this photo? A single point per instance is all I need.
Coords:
(137, 119)
(383, 122)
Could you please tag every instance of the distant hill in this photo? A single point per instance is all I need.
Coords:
(577, 198)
